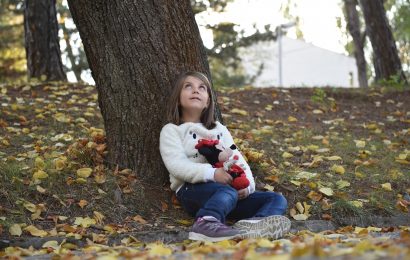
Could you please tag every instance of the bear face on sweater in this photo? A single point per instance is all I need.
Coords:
(195, 132)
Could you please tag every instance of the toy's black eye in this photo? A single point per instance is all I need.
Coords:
(218, 137)
(194, 136)
(221, 134)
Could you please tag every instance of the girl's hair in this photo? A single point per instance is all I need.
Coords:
(174, 106)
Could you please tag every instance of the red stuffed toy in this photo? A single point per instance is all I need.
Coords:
(219, 157)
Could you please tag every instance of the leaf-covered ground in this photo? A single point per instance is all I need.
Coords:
(334, 153)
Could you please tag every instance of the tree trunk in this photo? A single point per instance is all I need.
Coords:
(353, 25)
(41, 40)
(135, 50)
(385, 58)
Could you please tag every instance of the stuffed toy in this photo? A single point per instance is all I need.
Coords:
(220, 157)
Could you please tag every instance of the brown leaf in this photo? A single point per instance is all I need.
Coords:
(164, 206)
(139, 219)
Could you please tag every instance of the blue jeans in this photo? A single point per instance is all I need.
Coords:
(221, 201)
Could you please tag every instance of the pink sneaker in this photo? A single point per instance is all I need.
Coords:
(209, 228)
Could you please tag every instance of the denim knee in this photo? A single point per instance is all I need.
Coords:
(281, 201)
(232, 194)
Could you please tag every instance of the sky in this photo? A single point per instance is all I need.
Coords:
(318, 20)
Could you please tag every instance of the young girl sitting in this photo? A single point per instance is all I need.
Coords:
(203, 191)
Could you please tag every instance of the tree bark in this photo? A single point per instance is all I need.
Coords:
(41, 40)
(135, 50)
(353, 25)
(385, 57)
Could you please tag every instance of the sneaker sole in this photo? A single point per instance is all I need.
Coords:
(270, 227)
(201, 237)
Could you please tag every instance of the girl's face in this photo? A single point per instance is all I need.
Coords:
(194, 95)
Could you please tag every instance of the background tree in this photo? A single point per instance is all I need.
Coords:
(12, 54)
(135, 50)
(387, 64)
(354, 27)
(41, 40)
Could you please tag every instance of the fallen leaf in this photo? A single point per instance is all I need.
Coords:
(35, 231)
(300, 217)
(326, 191)
(386, 186)
(84, 172)
(139, 219)
(15, 230)
(337, 169)
(84, 222)
(239, 112)
(82, 203)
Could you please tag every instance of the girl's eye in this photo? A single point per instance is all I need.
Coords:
(194, 136)
(188, 86)
(202, 87)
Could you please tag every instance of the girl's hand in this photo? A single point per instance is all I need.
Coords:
(243, 194)
(222, 176)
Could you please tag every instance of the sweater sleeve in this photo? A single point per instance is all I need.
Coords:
(177, 162)
(228, 140)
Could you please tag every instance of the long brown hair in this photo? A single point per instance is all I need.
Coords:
(174, 105)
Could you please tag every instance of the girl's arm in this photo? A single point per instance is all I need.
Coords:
(177, 162)
(228, 140)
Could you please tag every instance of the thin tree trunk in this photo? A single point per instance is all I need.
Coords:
(41, 40)
(385, 57)
(135, 50)
(353, 25)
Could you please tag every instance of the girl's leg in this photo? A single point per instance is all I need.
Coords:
(208, 199)
(259, 204)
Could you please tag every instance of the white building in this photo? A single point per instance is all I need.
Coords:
(303, 64)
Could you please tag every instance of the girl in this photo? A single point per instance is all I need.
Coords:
(203, 191)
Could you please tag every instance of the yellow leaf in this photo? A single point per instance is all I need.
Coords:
(300, 207)
(360, 143)
(387, 186)
(313, 195)
(184, 222)
(35, 231)
(317, 111)
(342, 184)
(239, 112)
(326, 191)
(84, 222)
(287, 155)
(159, 250)
(265, 243)
(84, 172)
(15, 230)
(338, 169)
(40, 174)
(53, 244)
(300, 217)
(30, 206)
(39, 163)
(356, 203)
(98, 217)
(297, 183)
(292, 119)
(60, 163)
(41, 189)
(60, 117)
(80, 180)
(268, 187)
(333, 158)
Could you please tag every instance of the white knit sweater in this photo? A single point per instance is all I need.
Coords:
(182, 160)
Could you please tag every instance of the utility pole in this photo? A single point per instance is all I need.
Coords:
(279, 31)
